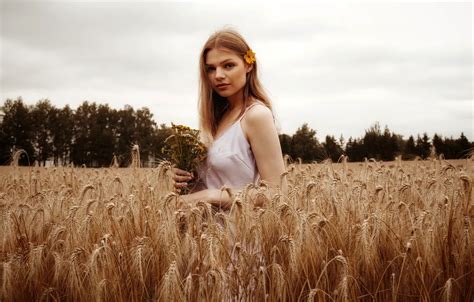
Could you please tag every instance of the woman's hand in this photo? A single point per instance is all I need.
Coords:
(180, 179)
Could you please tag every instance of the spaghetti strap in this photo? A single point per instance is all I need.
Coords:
(246, 109)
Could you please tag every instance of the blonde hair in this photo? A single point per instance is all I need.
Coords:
(211, 105)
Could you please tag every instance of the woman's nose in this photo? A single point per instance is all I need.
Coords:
(219, 73)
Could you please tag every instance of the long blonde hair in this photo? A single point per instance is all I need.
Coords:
(211, 105)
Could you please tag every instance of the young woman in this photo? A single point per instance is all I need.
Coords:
(236, 123)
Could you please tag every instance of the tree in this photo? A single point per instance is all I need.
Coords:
(371, 142)
(42, 134)
(81, 153)
(389, 145)
(342, 142)
(125, 134)
(305, 145)
(102, 136)
(17, 131)
(409, 151)
(355, 150)
(332, 148)
(144, 129)
(285, 143)
(423, 146)
(463, 146)
(5, 148)
(439, 145)
(160, 135)
(62, 123)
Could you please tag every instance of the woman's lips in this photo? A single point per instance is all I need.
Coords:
(223, 86)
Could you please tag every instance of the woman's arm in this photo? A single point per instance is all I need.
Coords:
(215, 197)
(223, 198)
(265, 144)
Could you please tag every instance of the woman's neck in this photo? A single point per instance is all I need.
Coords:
(236, 101)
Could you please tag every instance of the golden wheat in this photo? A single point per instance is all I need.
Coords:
(372, 231)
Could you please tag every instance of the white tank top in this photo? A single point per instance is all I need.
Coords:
(230, 160)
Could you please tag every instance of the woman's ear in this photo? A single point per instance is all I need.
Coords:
(249, 68)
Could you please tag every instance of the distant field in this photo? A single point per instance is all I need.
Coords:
(372, 231)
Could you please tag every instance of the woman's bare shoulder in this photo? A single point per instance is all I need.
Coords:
(259, 117)
(257, 112)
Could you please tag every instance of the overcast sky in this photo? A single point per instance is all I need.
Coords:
(338, 67)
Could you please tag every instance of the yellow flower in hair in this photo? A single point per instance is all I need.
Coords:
(250, 56)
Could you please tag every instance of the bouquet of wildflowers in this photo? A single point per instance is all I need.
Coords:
(184, 149)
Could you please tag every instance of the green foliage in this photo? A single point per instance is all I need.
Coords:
(423, 146)
(93, 134)
(409, 151)
(381, 146)
(41, 115)
(332, 148)
(452, 148)
(305, 145)
(17, 132)
(159, 138)
(355, 149)
(61, 123)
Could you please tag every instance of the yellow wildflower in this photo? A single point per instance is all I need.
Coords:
(184, 149)
(250, 56)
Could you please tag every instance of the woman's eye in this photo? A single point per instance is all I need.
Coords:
(209, 69)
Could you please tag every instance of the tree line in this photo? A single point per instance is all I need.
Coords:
(377, 144)
(93, 134)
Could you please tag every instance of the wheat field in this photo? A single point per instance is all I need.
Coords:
(373, 231)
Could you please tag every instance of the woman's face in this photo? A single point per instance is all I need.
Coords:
(226, 68)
